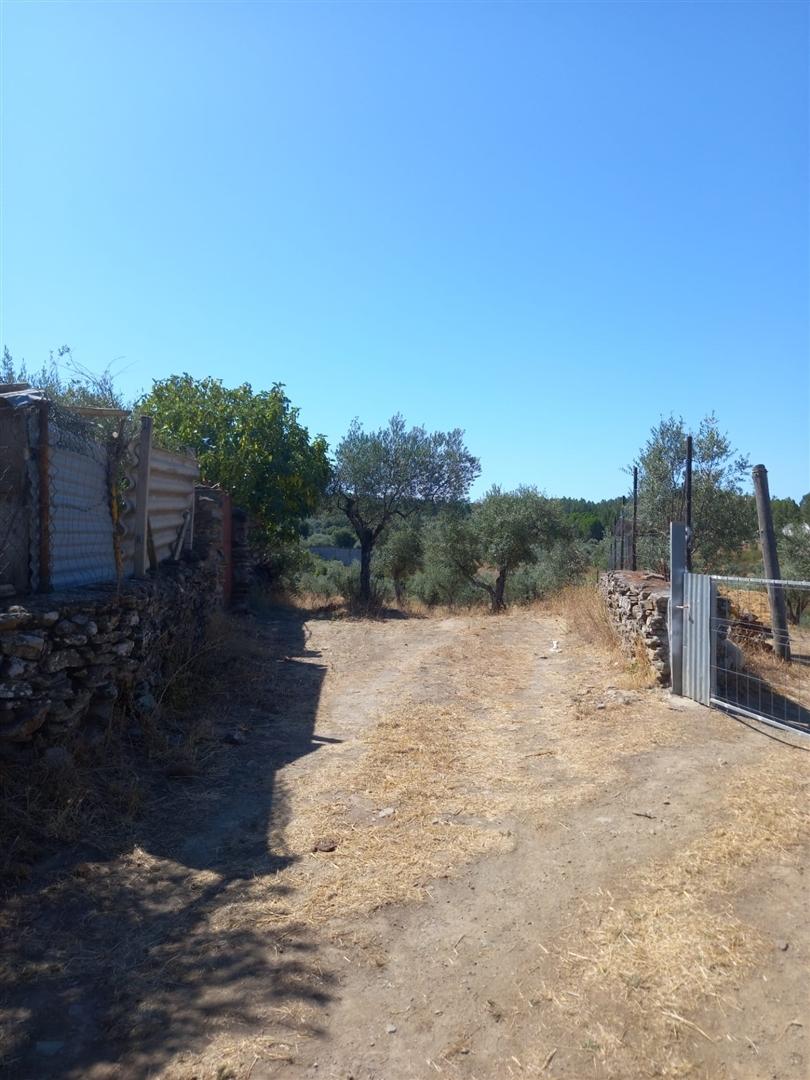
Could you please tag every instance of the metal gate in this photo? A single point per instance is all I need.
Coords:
(697, 637)
(723, 648)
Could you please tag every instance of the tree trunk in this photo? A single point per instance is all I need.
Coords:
(398, 590)
(497, 594)
(366, 546)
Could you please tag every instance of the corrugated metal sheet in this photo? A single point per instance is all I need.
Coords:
(697, 665)
(171, 498)
(80, 521)
(172, 478)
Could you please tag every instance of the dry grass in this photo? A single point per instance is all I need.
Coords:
(409, 812)
(586, 615)
(674, 941)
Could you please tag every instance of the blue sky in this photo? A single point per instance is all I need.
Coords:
(548, 224)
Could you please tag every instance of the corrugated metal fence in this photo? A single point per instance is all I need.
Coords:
(70, 502)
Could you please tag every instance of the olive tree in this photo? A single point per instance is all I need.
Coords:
(507, 529)
(722, 516)
(382, 476)
(401, 556)
(794, 564)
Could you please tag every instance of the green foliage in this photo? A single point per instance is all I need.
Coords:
(251, 443)
(722, 517)
(804, 507)
(565, 562)
(400, 556)
(784, 511)
(391, 474)
(506, 530)
(794, 564)
(284, 564)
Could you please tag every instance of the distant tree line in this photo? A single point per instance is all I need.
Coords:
(401, 495)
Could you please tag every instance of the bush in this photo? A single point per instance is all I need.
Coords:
(281, 566)
(438, 585)
(563, 564)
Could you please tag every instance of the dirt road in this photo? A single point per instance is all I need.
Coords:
(460, 847)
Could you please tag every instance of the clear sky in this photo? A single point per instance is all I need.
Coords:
(548, 224)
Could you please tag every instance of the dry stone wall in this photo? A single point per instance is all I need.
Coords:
(638, 603)
(72, 661)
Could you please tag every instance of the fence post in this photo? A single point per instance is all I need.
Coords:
(44, 484)
(142, 497)
(688, 487)
(770, 558)
(677, 568)
(633, 559)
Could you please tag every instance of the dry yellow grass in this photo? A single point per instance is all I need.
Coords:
(406, 813)
(586, 615)
(674, 941)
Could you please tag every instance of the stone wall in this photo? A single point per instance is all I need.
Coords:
(71, 661)
(637, 603)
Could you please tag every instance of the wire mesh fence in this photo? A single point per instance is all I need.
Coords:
(68, 492)
(80, 518)
(758, 667)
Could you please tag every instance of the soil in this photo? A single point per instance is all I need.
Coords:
(415, 847)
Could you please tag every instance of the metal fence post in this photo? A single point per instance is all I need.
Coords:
(634, 560)
(688, 487)
(142, 497)
(677, 564)
(44, 483)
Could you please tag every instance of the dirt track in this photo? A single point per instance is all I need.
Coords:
(523, 867)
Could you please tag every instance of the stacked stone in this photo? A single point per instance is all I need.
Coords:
(69, 658)
(243, 557)
(637, 603)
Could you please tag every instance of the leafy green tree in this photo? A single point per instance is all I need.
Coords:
(784, 512)
(382, 476)
(250, 442)
(507, 529)
(804, 508)
(794, 564)
(343, 538)
(723, 519)
(401, 556)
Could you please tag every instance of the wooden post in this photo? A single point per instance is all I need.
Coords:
(142, 497)
(689, 503)
(621, 526)
(770, 558)
(634, 560)
(44, 501)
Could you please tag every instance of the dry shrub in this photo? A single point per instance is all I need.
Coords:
(586, 613)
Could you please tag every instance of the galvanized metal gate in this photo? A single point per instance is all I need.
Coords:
(698, 608)
(723, 647)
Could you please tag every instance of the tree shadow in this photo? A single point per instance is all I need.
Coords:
(115, 961)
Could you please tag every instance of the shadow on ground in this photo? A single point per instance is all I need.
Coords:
(116, 962)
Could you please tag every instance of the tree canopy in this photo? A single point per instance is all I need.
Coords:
(250, 442)
(722, 517)
(507, 529)
(389, 474)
